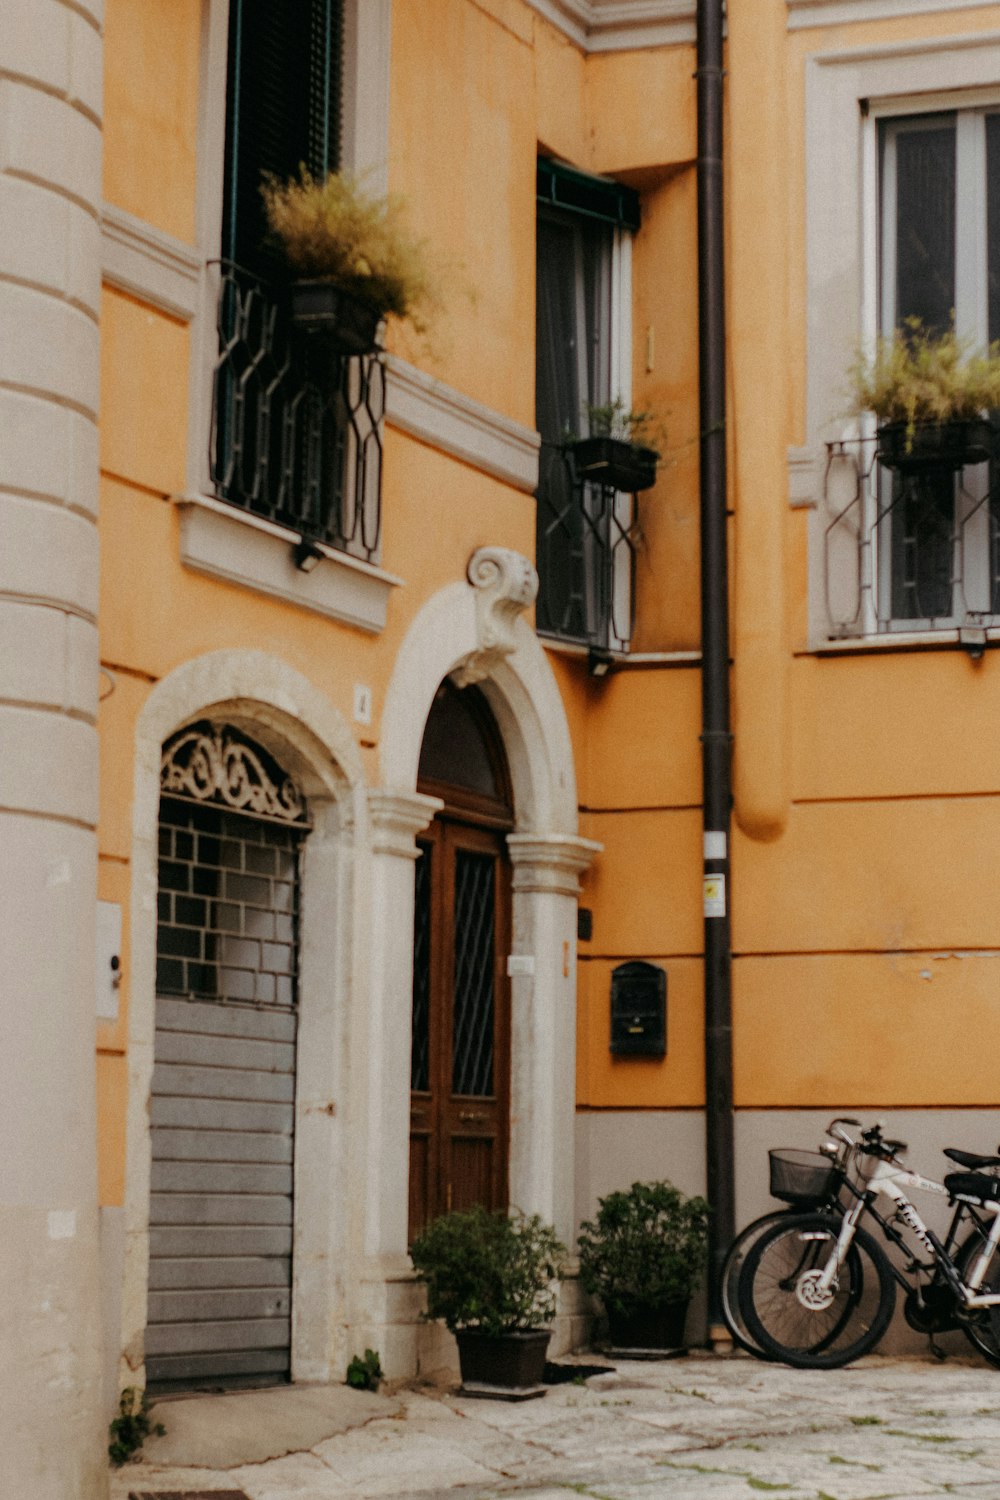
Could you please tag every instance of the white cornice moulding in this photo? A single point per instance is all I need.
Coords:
(620, 25)
(439, 415)
(160, 270)
(223, 542)
(806, 13)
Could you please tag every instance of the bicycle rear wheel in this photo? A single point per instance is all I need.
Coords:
(789, 1315)
(981, 1325)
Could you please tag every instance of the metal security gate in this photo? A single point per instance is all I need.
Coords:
(223, 1098)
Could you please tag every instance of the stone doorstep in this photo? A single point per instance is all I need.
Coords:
(188, 1495)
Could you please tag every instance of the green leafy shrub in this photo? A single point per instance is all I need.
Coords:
(917, 376)
(364, 1372)
(646, 1247)
(130, 1429)
(489, 1270)
(334, 230)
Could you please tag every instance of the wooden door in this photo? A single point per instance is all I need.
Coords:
(460, 1073)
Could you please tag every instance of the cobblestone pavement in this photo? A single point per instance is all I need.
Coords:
(693, 1429)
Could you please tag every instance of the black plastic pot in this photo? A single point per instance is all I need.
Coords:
(639, 1327)
(515, 1361)
(611, 461)
(946, 446)
(347, 324)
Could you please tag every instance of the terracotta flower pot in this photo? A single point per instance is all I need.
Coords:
(346, 323)
(946, 446)
(611, 461)
(639, 1327)
(511, 1360)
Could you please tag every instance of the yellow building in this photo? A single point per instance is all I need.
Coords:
(377, 826)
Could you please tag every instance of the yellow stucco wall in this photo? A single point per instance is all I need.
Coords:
(887, 765)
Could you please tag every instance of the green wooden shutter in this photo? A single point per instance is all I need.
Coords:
(282, 108)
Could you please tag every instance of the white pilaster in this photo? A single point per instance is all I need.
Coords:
(545, 885)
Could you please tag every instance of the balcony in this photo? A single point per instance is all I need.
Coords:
(585, 556)
(296, 430)
(915, 549)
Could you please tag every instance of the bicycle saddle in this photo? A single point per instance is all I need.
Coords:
(971, 1159)
(974, 1187)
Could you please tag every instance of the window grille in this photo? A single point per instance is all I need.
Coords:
(296, 434)
(914, 551)
(586, 556)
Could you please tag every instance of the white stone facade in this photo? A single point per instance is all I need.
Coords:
(50, 171)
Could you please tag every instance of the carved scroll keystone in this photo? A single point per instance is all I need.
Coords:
(505, 584)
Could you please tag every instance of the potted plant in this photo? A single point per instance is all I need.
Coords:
(930, 394)
(644, 1255)
(617, 451)
(490, 1276)
(353, 259)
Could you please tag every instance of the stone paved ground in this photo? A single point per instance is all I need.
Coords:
(697, 1429)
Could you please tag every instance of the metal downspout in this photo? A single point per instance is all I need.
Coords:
(716, 739)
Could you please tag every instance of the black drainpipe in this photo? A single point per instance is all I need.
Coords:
(716, 739)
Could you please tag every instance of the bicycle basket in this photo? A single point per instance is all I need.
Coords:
(802, 1176)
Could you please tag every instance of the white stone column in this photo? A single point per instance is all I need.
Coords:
(387, 1307)
(546, 886)
(52, 1423)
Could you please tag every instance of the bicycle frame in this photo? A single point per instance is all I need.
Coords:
(889, 1179)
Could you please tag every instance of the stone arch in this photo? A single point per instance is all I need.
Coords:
(470, 632)
(282, 710)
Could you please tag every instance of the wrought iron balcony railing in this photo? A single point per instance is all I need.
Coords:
(296, 430)
(585, 556)
(916, 550)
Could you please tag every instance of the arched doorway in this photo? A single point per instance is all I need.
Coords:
(461, 1025)
(222, 1108)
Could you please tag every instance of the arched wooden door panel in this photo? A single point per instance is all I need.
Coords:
(460, 1069)
(460, 1073)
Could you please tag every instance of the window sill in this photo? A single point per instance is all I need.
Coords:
(223, 542)
(907, 640)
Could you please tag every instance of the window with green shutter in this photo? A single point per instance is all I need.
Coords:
(296, 433)
(282, 108)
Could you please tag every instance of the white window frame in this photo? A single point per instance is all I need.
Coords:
(845, 93)
(220, 539)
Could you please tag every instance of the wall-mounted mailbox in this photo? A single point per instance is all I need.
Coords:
(638, 1010)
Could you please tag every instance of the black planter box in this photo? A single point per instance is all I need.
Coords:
(648, 1327)
(512, 1361)
(347, 324)
(945, 446)
(611, 461)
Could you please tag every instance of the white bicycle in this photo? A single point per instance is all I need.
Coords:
(818, 1291)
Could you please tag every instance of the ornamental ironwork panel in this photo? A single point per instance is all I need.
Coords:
(917, 549)
(228, 905)
(296, 430)
(216, 763)
(472, 1029)
(585, 556)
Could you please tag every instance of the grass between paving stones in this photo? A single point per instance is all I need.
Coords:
(854, 1463)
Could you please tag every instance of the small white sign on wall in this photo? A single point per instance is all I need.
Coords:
(109, 947)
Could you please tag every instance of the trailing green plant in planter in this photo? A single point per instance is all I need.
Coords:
(490, 1276)
(354, 258)
(644, 1255)
(619, 449)
(929, 393)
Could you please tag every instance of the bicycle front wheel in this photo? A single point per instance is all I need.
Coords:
(792, 1317)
